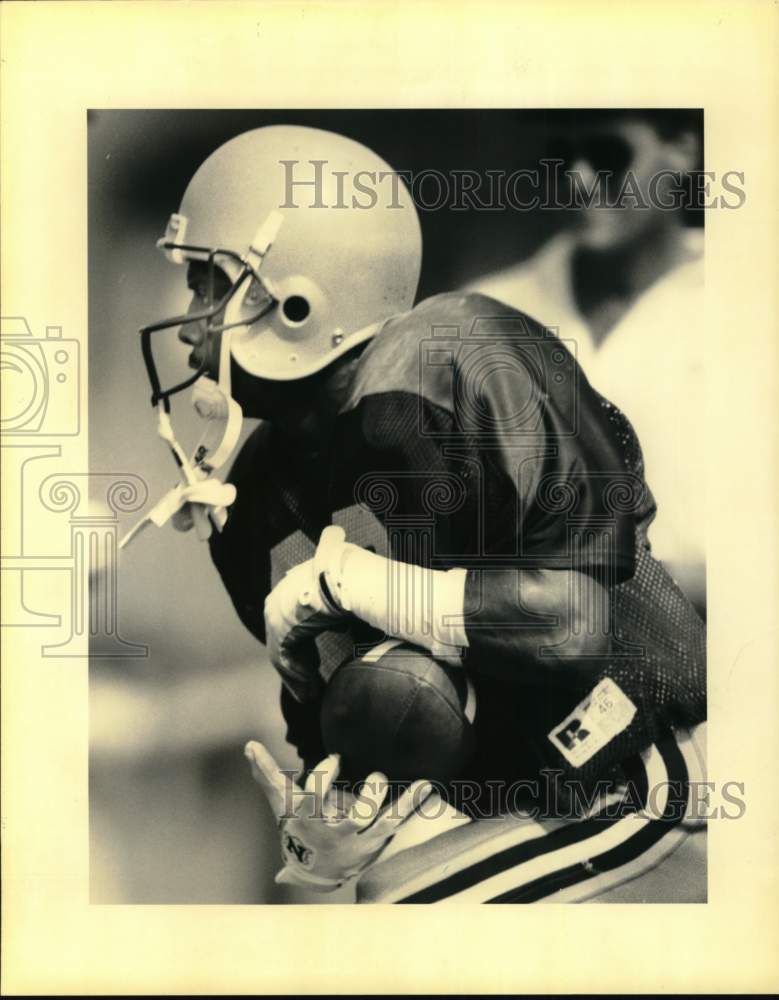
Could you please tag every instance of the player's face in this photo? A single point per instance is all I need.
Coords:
(258, 398)
(205, 345)
(638, 160)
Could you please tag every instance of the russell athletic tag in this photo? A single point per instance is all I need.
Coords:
(606, 711)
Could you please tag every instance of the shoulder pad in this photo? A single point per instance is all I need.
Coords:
(404, 354)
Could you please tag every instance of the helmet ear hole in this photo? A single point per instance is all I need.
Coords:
(295, 308)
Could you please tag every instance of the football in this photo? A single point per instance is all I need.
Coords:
(398, 710)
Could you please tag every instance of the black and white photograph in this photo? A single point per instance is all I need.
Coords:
(421, 392)
(389, 497)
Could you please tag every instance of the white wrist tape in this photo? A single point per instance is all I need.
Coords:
(421, 606)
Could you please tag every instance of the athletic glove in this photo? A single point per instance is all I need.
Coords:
(297, 610)
(326, 842)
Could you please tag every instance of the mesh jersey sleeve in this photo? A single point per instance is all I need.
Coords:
(556, 474)
(574, 527)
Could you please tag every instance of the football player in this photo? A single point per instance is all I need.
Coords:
(442, 474)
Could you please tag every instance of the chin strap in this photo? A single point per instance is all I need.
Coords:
(208, 498)
(215, 404)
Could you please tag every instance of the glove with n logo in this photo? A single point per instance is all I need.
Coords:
(326, 838)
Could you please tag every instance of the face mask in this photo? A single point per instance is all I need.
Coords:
(208, 497)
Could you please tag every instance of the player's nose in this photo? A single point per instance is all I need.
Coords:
(192, 333)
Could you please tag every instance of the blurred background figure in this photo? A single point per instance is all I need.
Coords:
(624, 281)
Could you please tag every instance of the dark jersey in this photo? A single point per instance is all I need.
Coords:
(471, 438)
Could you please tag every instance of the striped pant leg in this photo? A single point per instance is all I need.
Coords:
(523, 860)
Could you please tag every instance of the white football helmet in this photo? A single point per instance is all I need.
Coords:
(316, 261)
(321, 243)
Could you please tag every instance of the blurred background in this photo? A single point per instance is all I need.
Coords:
(174, 815)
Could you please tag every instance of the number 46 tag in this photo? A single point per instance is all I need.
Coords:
(604, 713)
